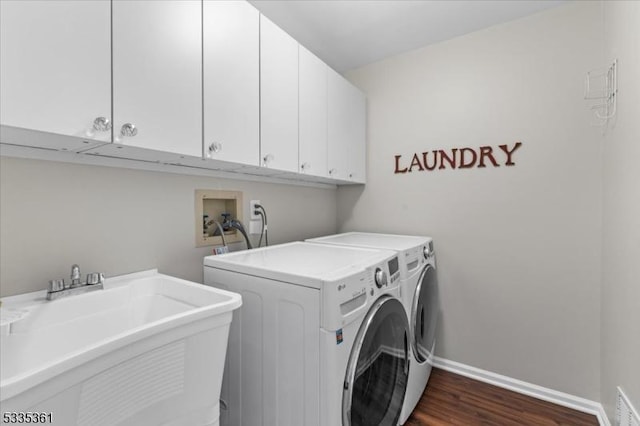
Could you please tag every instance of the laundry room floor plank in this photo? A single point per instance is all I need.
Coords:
(451, 399)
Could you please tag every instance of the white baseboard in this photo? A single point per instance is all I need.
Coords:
(529, 389)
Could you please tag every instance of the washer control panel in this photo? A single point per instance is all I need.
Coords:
(346, 298)
(394, 269)
(380, 278)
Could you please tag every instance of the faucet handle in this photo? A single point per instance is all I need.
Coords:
(56, 285)
(95, 278)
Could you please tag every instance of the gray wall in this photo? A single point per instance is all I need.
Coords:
(621, 266)
(118, 221)
(519, 248)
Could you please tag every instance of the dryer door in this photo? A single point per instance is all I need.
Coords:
(376, 378)
(424, 314)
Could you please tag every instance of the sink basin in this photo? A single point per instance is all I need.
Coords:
(148, 349)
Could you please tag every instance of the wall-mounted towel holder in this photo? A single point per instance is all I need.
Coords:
(602, 86)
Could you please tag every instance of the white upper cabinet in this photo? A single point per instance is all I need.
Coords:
(278, 98)
(157, 75)
(346, 130)
(231, 54)
(357, 154)
(55, 70)
(338, 126)
(312, 114)
(202, 83)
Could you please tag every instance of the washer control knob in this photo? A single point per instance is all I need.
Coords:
(380, 277)
(427, 251)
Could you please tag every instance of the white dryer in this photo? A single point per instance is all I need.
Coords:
(321, 337)
(419, 294)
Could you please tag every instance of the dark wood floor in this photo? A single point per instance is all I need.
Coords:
(451, 399)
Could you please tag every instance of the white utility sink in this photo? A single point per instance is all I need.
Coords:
(149, 349)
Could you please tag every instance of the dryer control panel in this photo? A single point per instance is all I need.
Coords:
(415, 258)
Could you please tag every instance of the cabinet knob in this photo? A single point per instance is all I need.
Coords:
(305, 166)
(215, 147)
(267, 159)
(128, 130)
(332, 172)
(350, 175)
(101, 124)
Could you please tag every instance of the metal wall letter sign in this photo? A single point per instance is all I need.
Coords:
(457, 158)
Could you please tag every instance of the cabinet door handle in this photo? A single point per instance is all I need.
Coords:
(267, 159)
(128, 130)
(101, 124)
(332, 172)
(215, 147)
(305, 166)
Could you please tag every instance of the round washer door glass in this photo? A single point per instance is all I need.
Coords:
(424, 314)
(376, 378)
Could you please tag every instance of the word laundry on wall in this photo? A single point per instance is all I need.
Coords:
(458, 158)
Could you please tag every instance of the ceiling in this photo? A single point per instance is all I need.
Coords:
(347, 34)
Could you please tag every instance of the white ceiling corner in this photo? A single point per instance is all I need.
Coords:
(348, 34)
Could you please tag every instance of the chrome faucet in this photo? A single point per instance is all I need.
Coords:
(75, 276)
(59, 288)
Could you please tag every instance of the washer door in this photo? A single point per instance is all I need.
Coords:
(376, 378)
(424, 314)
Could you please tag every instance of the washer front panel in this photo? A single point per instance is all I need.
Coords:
(377, 372)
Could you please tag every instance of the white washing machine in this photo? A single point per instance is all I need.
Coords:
(321, 337)
(419, 294)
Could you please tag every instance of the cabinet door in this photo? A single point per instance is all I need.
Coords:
(338, 116)
(313, 114)
(357, 154)
(346, 130)
(278, 98)
(231, 54)
(157, 75)
(55, 69)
